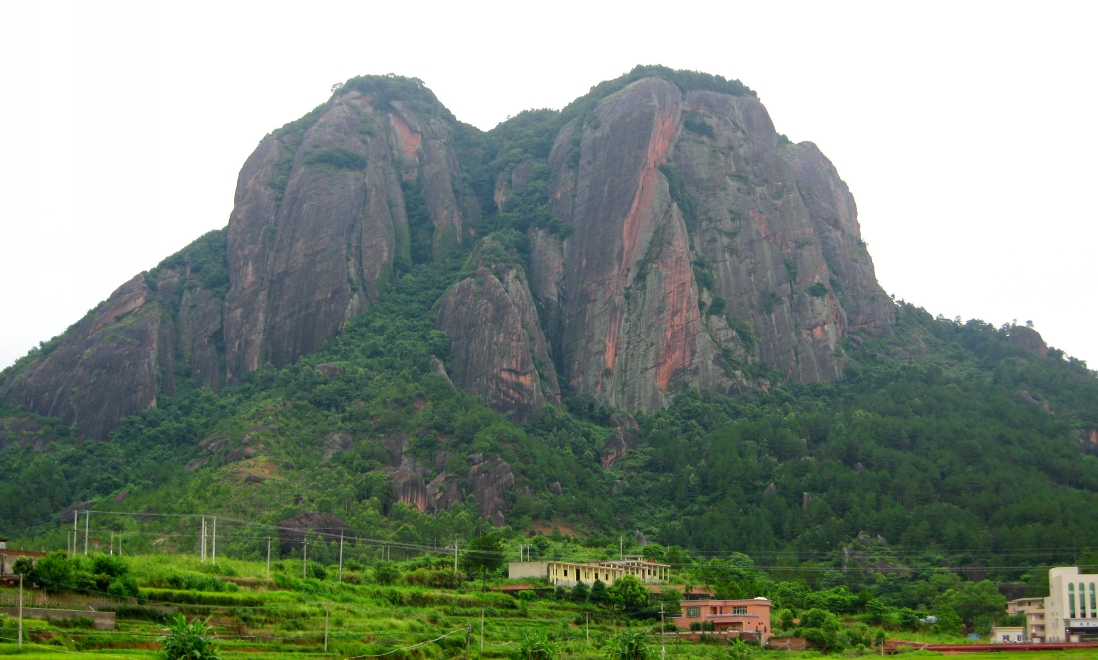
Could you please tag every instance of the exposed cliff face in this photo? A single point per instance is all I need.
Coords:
(682, 238)
(305, 261)
(694, 226)
(497, 347)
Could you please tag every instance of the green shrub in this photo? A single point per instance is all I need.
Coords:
(817, 290)
(187, 641)
(386, 574)
(337, 157)
(537, 646)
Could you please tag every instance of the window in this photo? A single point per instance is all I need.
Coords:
(1082, 601)
(693, 612)
(739, 609)
(1071, 600)
(566, 572)
(1093, 604)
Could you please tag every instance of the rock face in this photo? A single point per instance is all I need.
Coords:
(322, 218)
(1029, 339)
(291, 531)
(683, 238)
(617, 444)
(490, 482)
(497, 348)
(678, 202)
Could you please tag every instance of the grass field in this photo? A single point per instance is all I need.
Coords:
(286, 616)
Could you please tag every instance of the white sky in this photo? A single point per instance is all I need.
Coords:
(966, 131)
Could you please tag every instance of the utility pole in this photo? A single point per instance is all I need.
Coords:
(481, 629)
(202, 543)
(87, 519)
(304, 557)
(119, 544)
(215, 540)
(75, 517)
(20, 610)
(587, 625)
(340, 556)
(325, 629)
(112, 544)
(663, 642)
(268, 556)
(468, 639)
(455, 556)
(621, 547)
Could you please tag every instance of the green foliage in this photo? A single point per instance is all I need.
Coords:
(949, 623)
(54, 572)
(631, 644)
(768, 300)
(629, 594)
(386, 573)
(337, 157)
(188, 641)
(204, 262)
(537, 646)
(483, 556)
(677, 187)
(600, 595)
(972, 601)
(817, 290)
(387, 92)
(717, 307)
(580, 593)
(23, 566)
(695, 124)
(745, 331)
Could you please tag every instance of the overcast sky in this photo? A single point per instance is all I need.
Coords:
(966, 131)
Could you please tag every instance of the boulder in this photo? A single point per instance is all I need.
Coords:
(490, 482)
(407, 486)
(291, 531)
(1029, 339)
(616, 445)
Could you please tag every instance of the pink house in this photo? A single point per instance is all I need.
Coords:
(750, 616)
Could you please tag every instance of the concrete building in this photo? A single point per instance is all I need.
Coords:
(1008, 634)
(751, 616)
(1071, 608)
(8, 557)
(1034, 610)
(570, 573)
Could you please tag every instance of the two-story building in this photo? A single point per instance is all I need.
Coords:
(1034, 611)
(8, 557)
(1071, 608)
(751, 616)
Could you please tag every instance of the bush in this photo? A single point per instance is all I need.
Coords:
(336, 157)
(386, 573)
(628, 645)
(537, 646)
(188, 642)
(817, 290)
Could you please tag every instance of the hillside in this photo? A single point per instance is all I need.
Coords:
(648, 312)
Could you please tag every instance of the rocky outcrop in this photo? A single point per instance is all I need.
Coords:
(680, 202)
(407, 487)
(497, 349)
(1029, 339)
(291, 531)
(324, 213)
(490, 482)
(616, 445)
(443, 492)
(113, 363)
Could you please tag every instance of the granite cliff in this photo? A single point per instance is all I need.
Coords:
(660, 235)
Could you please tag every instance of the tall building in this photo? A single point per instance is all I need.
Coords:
(1071, 609)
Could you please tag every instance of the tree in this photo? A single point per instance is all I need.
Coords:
(188, 641)
(973, 600)
(484, 555)
(948, 622)
(24, 566)
(599, 594)
(629, 594)
(580, 593)
(55, 572)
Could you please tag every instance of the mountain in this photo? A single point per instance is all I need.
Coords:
(676, 236)
(649, 310)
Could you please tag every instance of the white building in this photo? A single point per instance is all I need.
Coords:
(1071, 609)
(569, 573)
(1034, 611)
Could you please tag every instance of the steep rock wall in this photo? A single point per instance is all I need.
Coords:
(497, 346)
(630, 325)
(303, 265)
